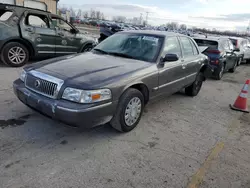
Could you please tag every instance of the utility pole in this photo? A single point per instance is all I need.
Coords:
(147, 17)
(140, 18)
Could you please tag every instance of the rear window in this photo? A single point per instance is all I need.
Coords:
(209, 43)
(234, 41)
(5, 15)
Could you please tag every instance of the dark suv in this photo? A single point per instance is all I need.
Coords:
(27, 32)
(221, 53)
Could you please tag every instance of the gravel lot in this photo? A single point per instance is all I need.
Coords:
(180, 142)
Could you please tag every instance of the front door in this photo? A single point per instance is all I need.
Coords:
(190, 59)
(35, 27)
(228, 54)
(66, 37)
(171, 74)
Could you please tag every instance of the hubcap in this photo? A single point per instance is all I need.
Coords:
(16, 55)
(133, 111)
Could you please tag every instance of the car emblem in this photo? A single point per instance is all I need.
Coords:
(37, 83)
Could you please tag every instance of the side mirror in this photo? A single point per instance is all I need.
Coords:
(73, 31)
(170, 58)
(236, 50)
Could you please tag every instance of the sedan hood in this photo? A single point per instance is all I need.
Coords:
(91, 69)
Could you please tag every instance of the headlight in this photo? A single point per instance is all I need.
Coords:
(23, 75)
(82, 96)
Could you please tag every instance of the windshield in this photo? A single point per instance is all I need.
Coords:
(136, 46)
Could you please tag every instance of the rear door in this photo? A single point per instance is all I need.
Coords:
(171, 74)
(190, 59)
(229, 55)
(35, 27)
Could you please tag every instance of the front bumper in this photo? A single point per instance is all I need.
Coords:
(78, 115)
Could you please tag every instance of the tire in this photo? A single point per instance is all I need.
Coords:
(87, 48)
(119, 122)
(239, 62)
(232, 70)
(220, 73)
(247, 61)
(15, 54)
(195, 88)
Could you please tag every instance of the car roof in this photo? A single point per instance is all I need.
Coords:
(153, 32)
(211, 38)
(21, 7)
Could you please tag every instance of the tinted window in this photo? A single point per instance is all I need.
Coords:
(38, 21)
(187, 46)
(210, 43)
(5, 15)
(172, 46)
(234, 41)
(195, 50)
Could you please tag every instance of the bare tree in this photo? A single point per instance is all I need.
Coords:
(121, 19)
(102, 16)
(85, 14)
(98, 14)
(183, 27)
(92, 13)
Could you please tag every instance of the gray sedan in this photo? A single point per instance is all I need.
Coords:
(114, 81)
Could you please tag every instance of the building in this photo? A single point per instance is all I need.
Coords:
(49, 5)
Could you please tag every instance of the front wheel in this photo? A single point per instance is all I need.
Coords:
(195, 88)
(87, 48)
(15, 54)
(129, 111)
(220, 73)
(232, 70)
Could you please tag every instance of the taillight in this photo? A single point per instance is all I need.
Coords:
(213, 51)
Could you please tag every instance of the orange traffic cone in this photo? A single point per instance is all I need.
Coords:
(241, 102)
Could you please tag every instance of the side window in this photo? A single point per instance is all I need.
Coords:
(225, 45)
(61, 24)
(231, 46)
(172, 46)
(195, 50)
(37, 21)
(187, 46)
(5, 15)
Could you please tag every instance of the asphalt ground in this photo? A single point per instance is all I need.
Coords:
(180, 142)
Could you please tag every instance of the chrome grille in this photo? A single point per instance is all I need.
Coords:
(43, 84)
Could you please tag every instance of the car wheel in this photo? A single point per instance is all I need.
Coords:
(220, 73)
(87, 48)
(239, 61)
(195, 88)
(247, 60)
(129, 111)
(232, 70)
(15, 54)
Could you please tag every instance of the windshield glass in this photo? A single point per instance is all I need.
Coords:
(136, 46)
(209, 43)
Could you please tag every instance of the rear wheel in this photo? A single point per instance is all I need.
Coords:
(15, 54)
(220, 72)
(239, 61)
(129, 111)
(195, 88)
(232, 70)
(87, 48)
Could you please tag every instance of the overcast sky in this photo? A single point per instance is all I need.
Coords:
(219, 14)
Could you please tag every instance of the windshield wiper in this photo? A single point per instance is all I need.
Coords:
(121, 55)
(102, 51)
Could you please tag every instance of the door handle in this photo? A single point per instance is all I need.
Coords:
(60, 34)
(29, 29)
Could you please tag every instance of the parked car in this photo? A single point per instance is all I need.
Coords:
(221, 53)
(244, 46)
(27, 32)
(114, 81)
